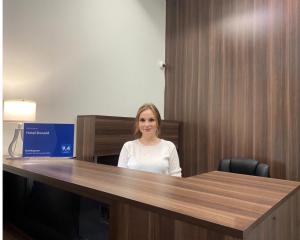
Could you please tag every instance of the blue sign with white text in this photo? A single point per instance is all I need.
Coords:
(48, 140)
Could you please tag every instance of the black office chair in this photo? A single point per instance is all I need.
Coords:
(245, 166)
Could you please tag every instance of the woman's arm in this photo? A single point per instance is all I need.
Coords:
(174, 166)
(123, 157)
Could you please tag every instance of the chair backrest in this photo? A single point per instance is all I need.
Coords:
(244, 166)
(263, 170)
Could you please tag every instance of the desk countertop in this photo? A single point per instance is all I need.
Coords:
(228, 202)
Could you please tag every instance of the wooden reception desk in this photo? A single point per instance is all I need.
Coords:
(210, 206)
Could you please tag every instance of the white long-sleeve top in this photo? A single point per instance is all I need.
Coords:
(159, 158)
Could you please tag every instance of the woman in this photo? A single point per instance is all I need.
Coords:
(148, 152)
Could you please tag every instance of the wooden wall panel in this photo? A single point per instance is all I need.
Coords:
(233, 80)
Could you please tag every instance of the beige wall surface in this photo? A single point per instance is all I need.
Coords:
(83, 57)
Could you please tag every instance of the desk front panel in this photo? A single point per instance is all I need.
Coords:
(221, 203)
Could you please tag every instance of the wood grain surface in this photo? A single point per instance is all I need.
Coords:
(221, 202)
(232, 79)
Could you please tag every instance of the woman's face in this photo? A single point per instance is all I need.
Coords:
(147, 123)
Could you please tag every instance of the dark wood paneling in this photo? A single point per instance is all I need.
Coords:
(85, 138)
(105, 135)
(232, 79)
(135, 223)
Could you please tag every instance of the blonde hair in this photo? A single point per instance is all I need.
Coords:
(146, 106)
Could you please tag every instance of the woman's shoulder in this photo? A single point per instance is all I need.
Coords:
(130, 144)
(167, 143)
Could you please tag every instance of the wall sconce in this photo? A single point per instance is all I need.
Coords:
(18, 111)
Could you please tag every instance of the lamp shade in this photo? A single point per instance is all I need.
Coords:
(19, 111)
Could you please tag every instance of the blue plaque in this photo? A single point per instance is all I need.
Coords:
(48, 140)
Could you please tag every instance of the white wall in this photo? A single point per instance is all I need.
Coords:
(77, 57)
